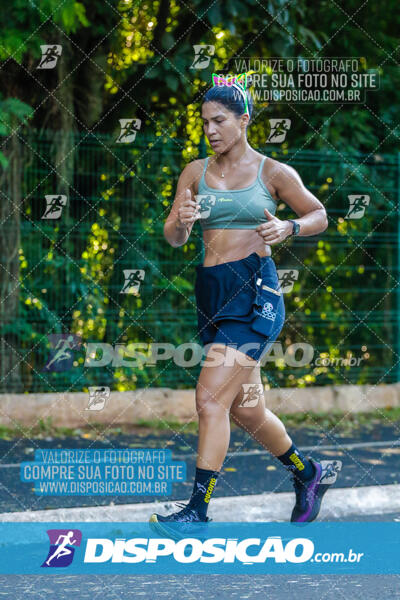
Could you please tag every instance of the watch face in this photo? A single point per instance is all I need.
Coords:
(296, 228)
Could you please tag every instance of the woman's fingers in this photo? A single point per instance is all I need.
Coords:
(189, 214)
(272, 241)
(270, 235)
(268, 239)
(190, 210)
(270, 226)
(272, 232)
(189, 199)
(267, 231)
(190, 206)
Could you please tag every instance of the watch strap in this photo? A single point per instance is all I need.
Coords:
(293, 226)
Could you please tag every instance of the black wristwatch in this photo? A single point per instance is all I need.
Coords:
(296, 227)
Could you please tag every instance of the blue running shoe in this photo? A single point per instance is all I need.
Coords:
(180, 524)
(309, 493)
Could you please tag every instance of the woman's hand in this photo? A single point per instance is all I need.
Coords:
(275, 230)
(188, 212)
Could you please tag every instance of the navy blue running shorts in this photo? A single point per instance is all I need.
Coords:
(240, 304)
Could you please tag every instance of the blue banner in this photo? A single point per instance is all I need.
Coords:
(139, 548)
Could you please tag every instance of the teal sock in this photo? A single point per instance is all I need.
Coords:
(296, 462)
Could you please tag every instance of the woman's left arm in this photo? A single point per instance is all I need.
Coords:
(291, 190)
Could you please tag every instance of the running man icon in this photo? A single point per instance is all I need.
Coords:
(62, 550)
(279, 129)
(62, 356)
(50, 55)
(62, 547)
(54, 206)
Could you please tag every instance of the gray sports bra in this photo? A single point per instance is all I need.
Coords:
(234, 209)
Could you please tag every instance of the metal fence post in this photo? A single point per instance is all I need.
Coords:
(398, 267)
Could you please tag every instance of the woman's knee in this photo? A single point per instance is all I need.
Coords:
(208, 402)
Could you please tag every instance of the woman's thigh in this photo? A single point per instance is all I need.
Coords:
(222, 376)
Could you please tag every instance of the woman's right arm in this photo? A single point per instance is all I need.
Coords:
(184, 211)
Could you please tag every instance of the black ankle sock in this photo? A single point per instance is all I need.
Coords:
(204, 485)
(301, 466)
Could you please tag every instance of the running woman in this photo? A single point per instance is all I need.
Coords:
(240, 306)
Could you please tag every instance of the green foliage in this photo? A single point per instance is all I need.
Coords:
(23, 17)
(13, 112)
(73, 282)
(139, 65)
(72, 15)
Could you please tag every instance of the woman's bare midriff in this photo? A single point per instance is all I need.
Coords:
(226, 245)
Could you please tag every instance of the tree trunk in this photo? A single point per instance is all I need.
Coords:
(62, 159)
(10, 206)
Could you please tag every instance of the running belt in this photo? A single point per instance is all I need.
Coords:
(234, 209)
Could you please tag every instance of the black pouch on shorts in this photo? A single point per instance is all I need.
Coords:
(265, 307)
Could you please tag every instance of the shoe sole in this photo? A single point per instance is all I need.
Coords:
(165, 531)
(329, 473)
(157, 528)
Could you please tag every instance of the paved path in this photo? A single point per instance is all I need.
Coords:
(255, 487)
(201, 587)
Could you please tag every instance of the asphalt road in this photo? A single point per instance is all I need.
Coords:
(370, 457)
(201, 587)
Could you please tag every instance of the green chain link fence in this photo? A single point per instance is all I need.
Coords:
(345, 301)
